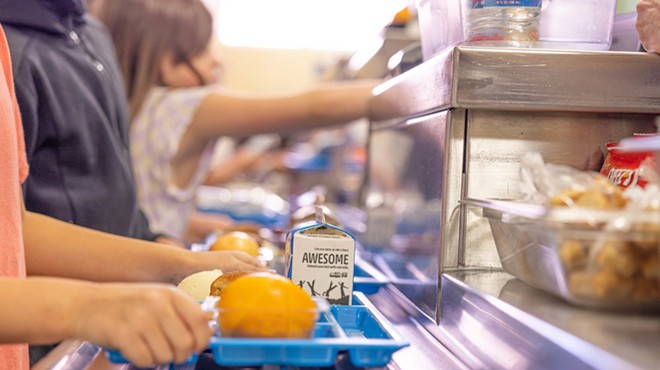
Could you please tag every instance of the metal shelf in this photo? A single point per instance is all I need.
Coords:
(523, 79)
(516, 326)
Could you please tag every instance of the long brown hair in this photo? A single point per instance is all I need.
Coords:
(145, 31)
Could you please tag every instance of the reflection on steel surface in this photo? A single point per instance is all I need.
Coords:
(403, 204)
(413, 277)
(69, 355)
(502, 336)
(633, 338)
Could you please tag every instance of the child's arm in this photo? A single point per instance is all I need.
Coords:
(149, 324)
(60, 249)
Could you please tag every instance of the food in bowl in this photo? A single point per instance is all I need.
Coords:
(236, 241)
(614, 255)
(612, 265)
(602, 194)
(266, 305)
(581, 237)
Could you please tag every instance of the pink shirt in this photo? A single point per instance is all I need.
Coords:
(14, 170)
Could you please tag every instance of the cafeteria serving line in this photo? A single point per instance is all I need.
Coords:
(503, 213)
(458, 122)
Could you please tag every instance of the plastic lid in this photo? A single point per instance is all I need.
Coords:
(640, 144)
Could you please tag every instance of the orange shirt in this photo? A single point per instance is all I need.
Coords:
(14, 170)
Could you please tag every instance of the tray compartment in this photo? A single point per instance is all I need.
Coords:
(360, 330)
(366, 278)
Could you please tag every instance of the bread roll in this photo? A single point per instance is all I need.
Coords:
(219, 284)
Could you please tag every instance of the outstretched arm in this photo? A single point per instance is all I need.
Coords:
(225, 113)
(61, 249)
(149, 323)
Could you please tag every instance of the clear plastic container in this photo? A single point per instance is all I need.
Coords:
(512, 23)
(551, 24)
(577, 24)
(591, 258)
(440, 24)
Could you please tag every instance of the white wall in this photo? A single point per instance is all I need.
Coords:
(264, 70)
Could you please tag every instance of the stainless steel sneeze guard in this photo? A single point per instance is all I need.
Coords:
(557, 80)
(523, 79)
(459, 124)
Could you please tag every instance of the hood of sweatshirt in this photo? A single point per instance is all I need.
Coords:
(50, 16)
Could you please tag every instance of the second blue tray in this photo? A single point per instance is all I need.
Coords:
(360, 330)
(366, 278)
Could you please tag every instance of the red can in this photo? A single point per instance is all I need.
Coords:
(622, 168)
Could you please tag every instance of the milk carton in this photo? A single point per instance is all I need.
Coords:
(320, 258)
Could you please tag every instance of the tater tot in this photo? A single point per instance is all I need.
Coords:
(608, 284)
(651, 267)
(579, 283)
(618, 257)
(648, 241)
(566, 198)
(593, 198)
(572, 255)
(646, 288)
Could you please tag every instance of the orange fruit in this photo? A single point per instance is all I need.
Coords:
(266, 305)
(402, 17)
(236, 241)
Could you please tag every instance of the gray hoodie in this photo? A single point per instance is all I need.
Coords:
(75, 116)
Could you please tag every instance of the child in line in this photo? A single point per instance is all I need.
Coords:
(178, 112)
(54, 307)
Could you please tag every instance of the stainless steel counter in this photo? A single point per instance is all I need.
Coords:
(507, 324)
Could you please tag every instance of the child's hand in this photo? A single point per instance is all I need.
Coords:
(228, 261)
(149, 324)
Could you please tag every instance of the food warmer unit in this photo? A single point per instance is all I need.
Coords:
(455, 128)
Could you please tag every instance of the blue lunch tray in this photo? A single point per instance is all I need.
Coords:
(116, 358)
(360, 330)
